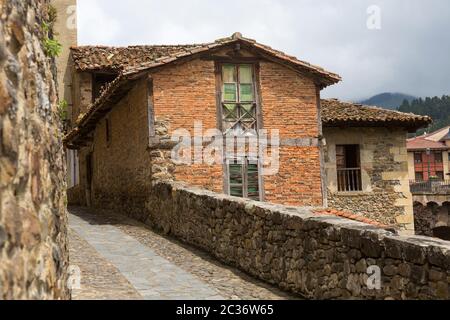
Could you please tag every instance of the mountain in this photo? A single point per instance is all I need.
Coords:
(388, 100)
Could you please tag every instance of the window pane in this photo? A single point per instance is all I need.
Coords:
(229, 93)
(229, 73)
(230, 112)
(246, 92)
(245, 74)
(248, 111)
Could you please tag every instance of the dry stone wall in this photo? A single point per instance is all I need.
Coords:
(33, 248)
(321, 257)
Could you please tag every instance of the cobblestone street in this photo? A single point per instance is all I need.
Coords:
(120, 258)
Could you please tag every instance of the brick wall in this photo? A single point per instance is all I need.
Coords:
(33, 220)
(184, 94)
(289, 104)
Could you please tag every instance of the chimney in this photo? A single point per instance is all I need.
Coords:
(65, 29)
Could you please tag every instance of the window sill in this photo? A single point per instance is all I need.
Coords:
(353, 193)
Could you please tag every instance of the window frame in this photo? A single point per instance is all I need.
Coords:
(221, 102)
(418, 161)
(359, 178)
(437, 155)
(244, 161)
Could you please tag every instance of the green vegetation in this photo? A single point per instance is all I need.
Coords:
(62, 109)
(52, 47)
(437, 108)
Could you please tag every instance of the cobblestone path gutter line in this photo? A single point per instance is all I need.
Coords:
(152, 276)
(121, 258)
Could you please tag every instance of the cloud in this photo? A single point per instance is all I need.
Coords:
(409, 54)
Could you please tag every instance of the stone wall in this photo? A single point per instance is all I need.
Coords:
(121, 166)
(33, 221)
(321, 257)
(385, 195)
(430, 216)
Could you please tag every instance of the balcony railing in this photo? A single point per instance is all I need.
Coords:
(349, 180)
(431, 186)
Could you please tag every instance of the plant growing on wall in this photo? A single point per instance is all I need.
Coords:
(62, 110)
(52, 47)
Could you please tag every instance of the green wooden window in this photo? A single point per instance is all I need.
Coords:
(244, 179)
(238, 99)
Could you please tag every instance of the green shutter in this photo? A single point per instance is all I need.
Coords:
(236, 180)
(253, 182)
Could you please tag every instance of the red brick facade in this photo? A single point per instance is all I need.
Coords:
(185, 93)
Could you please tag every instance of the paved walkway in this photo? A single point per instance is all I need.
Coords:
(120, 258)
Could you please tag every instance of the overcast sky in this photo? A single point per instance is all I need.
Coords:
(409, 54)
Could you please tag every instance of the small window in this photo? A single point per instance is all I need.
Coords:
(348, 168)
(440, 175)
(417, 157)
(238, 99)
(419, 176)
(438, 157)
(244, 179)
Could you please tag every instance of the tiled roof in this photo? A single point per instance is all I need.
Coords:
(338, 113)
(421, 143)
(138, 58)
(131, 63)
(352, 216)
(116, 59)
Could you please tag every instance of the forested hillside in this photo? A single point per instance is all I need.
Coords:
(437, 108)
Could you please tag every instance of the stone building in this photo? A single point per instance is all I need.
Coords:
(428, 161)
(129, 102)
(33, 220)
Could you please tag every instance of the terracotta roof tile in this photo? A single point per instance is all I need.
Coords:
(352, 216)
(138, 58)
(336, 113)
(421, 143)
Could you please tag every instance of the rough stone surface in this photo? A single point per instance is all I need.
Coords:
(429, 217)
(148, 265)
(318, 257)
(385, 196)
(33, 252)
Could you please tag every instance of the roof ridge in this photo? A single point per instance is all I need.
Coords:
(139, 46)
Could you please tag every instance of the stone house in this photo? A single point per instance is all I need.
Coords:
(428, 157)
(127, 103)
